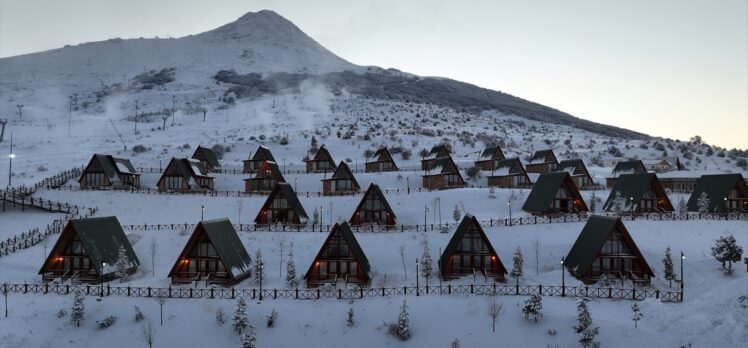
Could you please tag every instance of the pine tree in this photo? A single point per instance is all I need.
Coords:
(456, 213)
(240, 316)
(78, 309)
(249, 340)
(593, 203)
(122, 264)
(584, 328)
(291, 270)
(427, 269)
(315, 217)
(703, 203)
(314, 142)
(258, 271)
(668, 263)
(618, 203)
(350, 321)
(402, 328)
(726, 250)
(533, 308)
(637, 313)
(519, 261)
(682, 207)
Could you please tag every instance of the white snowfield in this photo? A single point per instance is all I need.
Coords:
(711, 315)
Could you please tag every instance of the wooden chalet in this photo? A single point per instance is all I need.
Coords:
(605, 247)
(664, 164)
(342, 182)
(542, 161)
(108, 171)
(265, 178)
(282, 206)
(253, 164)
(443, 175)
(373, 209)
(625, 167)
(185, 175)
(639, 193)
(578, 172)
(489, 157)
(437, 152)
(214, 254)
(321, 163)
(554, 193)
(87, 251)
(509, 173)
(207, 158)
(340, 259)
(469, 252)
(678, 183)
(727, 193)
(383, 162)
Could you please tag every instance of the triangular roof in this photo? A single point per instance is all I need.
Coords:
(571, 164)
(187, 168)
(503, 167)
(381, 151)
(112, 167)
(323, 155)
(375, 190)
(265, 152)
(590, 241)
(101, 237)
(635, 185)
(284, 189)
(438, 148)
(629, 167)
(225, 240)
(269, 166)
(467, 221)
(209, 155)
(343, 172)
(675, 162)
(443, 165)
(345, 231)
(545, 189)
(491, 152)
(540, 156)
(717, 187)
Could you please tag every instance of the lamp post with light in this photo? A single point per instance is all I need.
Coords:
(563, 279)
(102, 279)
(682, 259)
(509, 203)
(417, 277)
(262, 265)
(202, 212)
(10, 159)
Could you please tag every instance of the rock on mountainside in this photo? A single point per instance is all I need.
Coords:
(263, 45)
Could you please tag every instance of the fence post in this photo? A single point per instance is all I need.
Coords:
(149, 291)
(633, 294)
(297, 293)
(657, 294)
(275, 294)
(610, 292)
(471, 288)
(340, 293)
(517, 287)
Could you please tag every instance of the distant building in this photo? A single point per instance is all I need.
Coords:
(437, 152)
(340, 259)
(383, 162)
(640, 193)
(108, 171)
(605, 247)
(260, 156)
(469, 252)
(444, 174)
(214, 254)
(489, 157)
(664, 164)
(185, 175)
(207, 158)
(282, 206)
(554, 194)
(727, 193)
(342, 182)
(87, 251)
(542, 161)
(321, 163)
(625, 167)
(578, 172)
(265, 178)
(373, 209)
(509, 173)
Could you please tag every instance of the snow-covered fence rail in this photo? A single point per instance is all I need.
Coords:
(21, 197)
(35, 236)
(636, 294)
(240, 171)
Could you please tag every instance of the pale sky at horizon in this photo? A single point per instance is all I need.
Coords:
(671, 68)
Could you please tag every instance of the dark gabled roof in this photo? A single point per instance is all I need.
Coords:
(101, 237)
(323, 155)
(489, 152)
(225, 240)
(436, 148)
(284, 189)
(265, 152)
(209, 156)
(112, 166)
(122, 162)
(590, 241)
(442, 165)
(274, 169)
(675, 162)
(467, 221)
(717, 187)
(571, 163)
(509, 163)
(635, 185)
(382, 151)
(344, 172)
(374, 189)
(545, 189)
(631, 166)
(540, 155)
(347, 234)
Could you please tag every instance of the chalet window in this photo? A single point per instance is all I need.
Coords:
(95, 179)
(333, 267)
(353, 268)
(322, 268)
(173, 182)
(279, 203)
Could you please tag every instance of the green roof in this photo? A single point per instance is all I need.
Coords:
(344, 172)
(229, 247)
(112, 167)
(636, 185)
(102, 238)
(467, 221)
(545, 189)
(285, 190)
(572, 163)
(374, 189)
(717, 187)
(629, 167)
(490, 152)
(540, 156)
(208, 155)
(345, 231)
(590, 241)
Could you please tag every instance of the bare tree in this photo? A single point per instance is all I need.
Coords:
(281, 243)
(153, 256)
(536, 248)
(147, 333)
(493, 309)
(402, 256)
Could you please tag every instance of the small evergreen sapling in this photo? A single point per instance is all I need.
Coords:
(350, 321)
(533, 308)
(258, 271)
(401, 329)
(220, 317)
(637, 315)
(456, 213)
(593, 203)
(139, 316)
(78, 309)
(249, 340)
(291, 271)
(122, 264)
(456, 343)
(427, 269)
(272, 318)
(519, 261)
(726, 250)
(668, 265)
(240, 321)
(703, 203)
(584, 328)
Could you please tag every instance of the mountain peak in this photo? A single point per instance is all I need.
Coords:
(262, 25)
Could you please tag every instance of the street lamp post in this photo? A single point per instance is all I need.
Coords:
(10, 159)
(262, 265)
(631, 199)
(509, 203)
(202, 212)
(295, 183)
(563, 278)
(682, 259)
(417, 277)
(102, 279)
(424, 217)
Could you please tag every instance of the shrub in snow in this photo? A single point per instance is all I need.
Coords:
(456, 213)
(62, 313)
(106, 322)
(350, 321)
(401, 329)
(406, 154)
(618, 203)
(726, 250)
(122, 264)
(249, 340)
(315, 217)
(140, 148)
(667, 262)
(78, 309)
(519, 261)
(139, 316)
(533, 308)
(240, 321)
(593, 203)
(220, 317)
(456, 343)
(473, 173)
(584, 328)
(703, 203)
(637, 313)
(219, 150)
(271, 319)
(551, 332)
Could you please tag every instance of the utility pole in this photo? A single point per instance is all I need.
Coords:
(20, 111)
(173, 108)
(10, 164)
(73, 100)
(3, 122)
(205, 109)
(136, 116)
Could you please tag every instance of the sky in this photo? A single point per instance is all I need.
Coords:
(670, 68)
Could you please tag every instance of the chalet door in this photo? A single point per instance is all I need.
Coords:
(290, 218)
(192, 266)
(333, 185)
